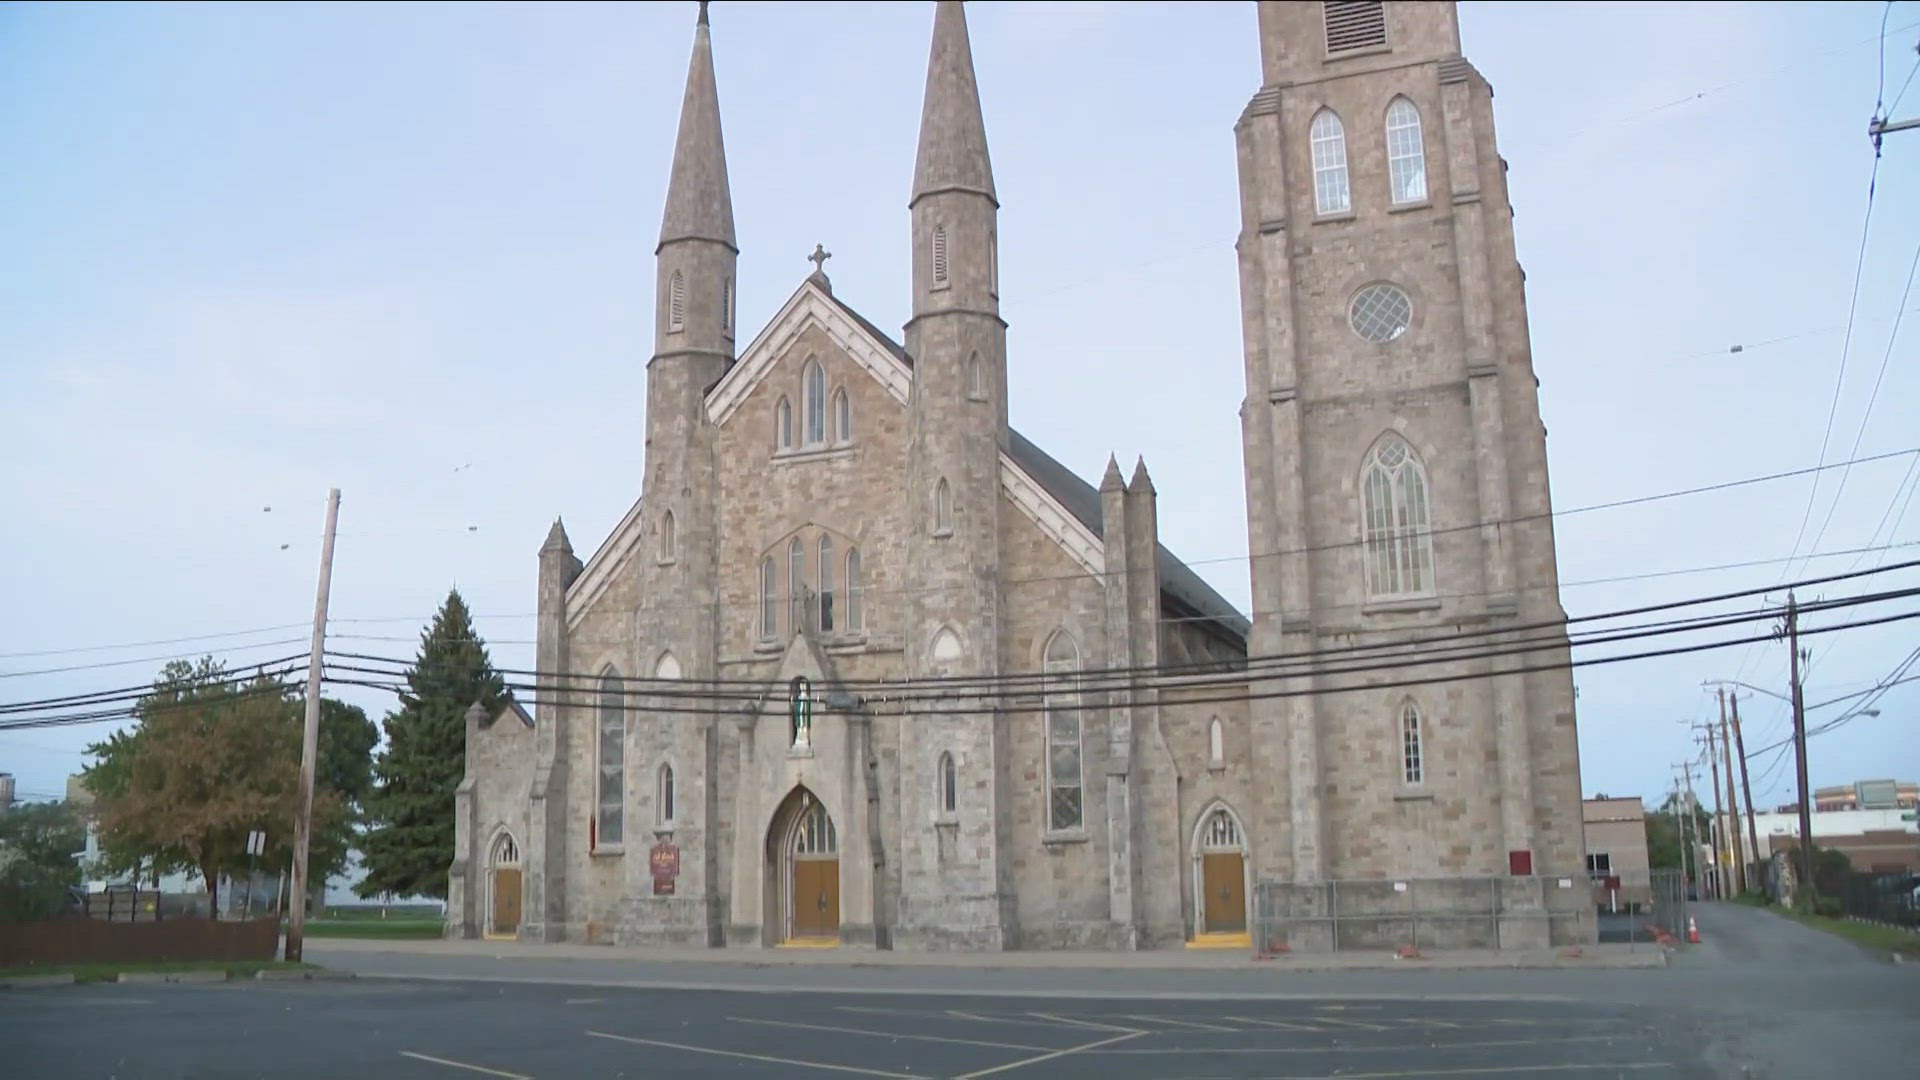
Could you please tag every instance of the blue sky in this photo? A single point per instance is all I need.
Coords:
(254, 251)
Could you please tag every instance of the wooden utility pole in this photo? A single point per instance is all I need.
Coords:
(1717, 832)
(1746, 788)
(1800, 757)
(1731, 829)
(1691, 850)
(310, 740)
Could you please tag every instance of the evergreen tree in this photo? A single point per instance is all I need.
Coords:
(409, 842)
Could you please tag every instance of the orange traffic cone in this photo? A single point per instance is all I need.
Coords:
(1693, 931)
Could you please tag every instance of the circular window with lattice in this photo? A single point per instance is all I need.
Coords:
(1380, 312)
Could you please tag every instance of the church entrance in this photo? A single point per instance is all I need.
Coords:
(1220, 873)
(809, 855)
(503, 915)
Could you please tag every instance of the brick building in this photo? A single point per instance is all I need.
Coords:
(825, 509)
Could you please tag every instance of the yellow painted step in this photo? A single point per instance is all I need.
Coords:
(1237, 940)
(810, 943)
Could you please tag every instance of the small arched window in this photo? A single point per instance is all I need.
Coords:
(610, 803)
(769, 600)
(1412, 754)
(813, 392)
(1216, 743)
(505, 851)
(663, 795)
(827, 570)
(1398, 537)
(667, 668)
(676, 303)
(783, 425)
(949, 784)
(976, 378)
(842, 417)
(942, 508)
(1327, 139)
(1406, 154)
(939, 256)
(668, 540)
(856, 590)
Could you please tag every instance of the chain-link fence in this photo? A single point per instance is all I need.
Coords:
(1423, 913)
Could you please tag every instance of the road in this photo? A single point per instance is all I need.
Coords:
(1762, 997)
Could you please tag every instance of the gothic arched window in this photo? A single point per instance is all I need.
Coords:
(1327, 139)
(939, 256)
(796, 584)
(610, 801)
(826, 583)
(1065, 784)
(1412, 756)
(942, 508)
(1398, 536)
(668, 540)
(842, 417)
(813, 394)
(783, 425)
(676, 302)
(1406, 154)
(976, 378)
(949, 785)
(1216, 743)
(663, 796)
(769, 600)
(856, 590)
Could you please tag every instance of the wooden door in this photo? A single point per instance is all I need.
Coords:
(816, 897)
(506, 900)
(1223, 878)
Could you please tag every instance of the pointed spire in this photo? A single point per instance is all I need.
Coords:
(1111, 481)
(1141, 481)
(953, 136)
(699, 203)
(557, 539)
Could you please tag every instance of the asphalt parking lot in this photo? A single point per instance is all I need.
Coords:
(384, 1028)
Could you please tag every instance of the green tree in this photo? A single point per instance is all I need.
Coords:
(410, 840)
(345, 768)
(38, 842)
(211, 760)
(1664, 848)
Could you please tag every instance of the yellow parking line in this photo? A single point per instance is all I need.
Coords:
(464, 1065)
(754, 1057)
(885, 1034)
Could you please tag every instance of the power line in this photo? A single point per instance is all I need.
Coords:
(157, 641)
(142, 660)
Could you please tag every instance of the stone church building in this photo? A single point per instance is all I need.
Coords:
(864, 666)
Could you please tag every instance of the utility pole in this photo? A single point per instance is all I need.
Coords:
(310, 740)
(1800, 756)
(1689, 824)
(1746, 788)
(1717, 832)
(1732, 826)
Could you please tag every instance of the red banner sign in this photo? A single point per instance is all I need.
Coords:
(664, 859)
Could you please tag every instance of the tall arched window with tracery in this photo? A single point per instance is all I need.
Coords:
(1327, 141)
(1406, 153)
(813, 393)
(827, 572)
(1398, 533)
(610, 801)
(1065, 781)
(769, 600)
(1413, 766)
(796, 584)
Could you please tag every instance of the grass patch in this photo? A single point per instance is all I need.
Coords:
(1872, 935)
(387, 930)
(91, 973)
(381, 912)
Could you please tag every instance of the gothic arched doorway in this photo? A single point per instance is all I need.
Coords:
(805, 849)
(503, 867)
(1220, 873)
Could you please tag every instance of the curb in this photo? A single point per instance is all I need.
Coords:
(28, 982)
(171, 977)
(322, 975)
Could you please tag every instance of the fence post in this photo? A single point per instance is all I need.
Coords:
(1333, 915)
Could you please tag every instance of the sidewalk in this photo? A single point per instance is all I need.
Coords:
(1200, 960)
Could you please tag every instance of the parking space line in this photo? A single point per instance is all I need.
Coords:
(885, 1034)
(1177, 1023)
(1489, 1070)
(464, 1065)
(1024, 1062)
(754, 1057)
(1349, 1048)
(1094, 1024)
(1281, 1024)
(1364, 1026)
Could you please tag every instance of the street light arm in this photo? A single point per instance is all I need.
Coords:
(1748, 686)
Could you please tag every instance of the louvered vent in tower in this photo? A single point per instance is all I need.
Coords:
(1354, 24)
(939, 255)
